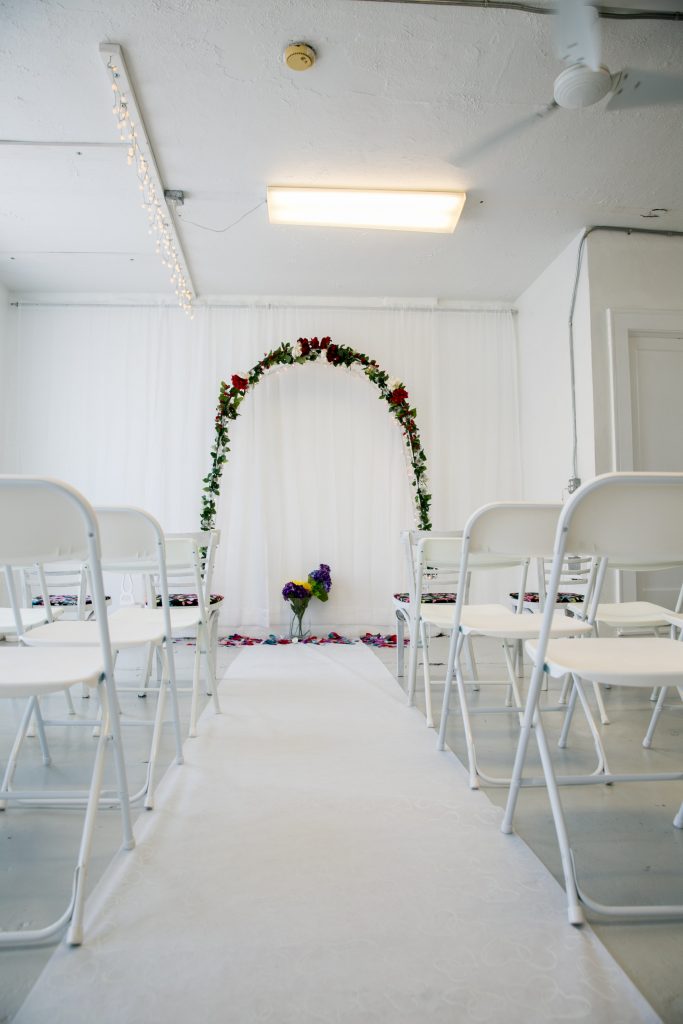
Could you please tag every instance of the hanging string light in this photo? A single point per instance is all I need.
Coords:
(151, 200)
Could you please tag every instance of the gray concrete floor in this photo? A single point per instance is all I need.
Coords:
(626, 847)
(625, 844)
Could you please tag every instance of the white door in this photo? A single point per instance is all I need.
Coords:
(656, 377)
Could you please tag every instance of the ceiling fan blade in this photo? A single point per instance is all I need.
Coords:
(577, 33)
(469, 156)
(645, 89)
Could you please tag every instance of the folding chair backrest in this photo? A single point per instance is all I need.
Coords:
(634, 520)
(43, 520)
(512, 531)
(130, 537)
(184, 563)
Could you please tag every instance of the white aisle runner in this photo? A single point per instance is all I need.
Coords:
(317, 862)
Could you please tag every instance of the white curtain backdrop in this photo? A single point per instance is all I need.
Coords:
(120, 401)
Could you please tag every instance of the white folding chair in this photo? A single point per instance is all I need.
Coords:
(632, 518)
(46, 520)
(574, 586)
(502, 535)
(132, 542)
(432, 581)
(64, 588)
(194, 609)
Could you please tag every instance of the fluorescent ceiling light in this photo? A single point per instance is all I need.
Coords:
(365, 208)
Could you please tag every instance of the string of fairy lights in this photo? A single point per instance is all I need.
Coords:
(151, 200)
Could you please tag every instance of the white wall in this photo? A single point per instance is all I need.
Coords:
(626, 272)
(5, 373)
(543, 372)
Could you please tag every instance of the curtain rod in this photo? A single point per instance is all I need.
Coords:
(20, 303)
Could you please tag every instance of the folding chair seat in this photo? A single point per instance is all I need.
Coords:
(30, 617)
(632, 518)
(132, 542)
(41, 519)
(504, 535)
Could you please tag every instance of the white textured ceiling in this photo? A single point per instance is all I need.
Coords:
(399, 91)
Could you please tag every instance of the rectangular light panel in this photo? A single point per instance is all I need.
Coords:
(365, 208)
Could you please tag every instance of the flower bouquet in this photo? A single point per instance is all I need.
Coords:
(299, 593)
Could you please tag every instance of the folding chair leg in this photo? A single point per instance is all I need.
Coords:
(603, 767)
(566, 684)
(647, 742)
(601, 704)
(154, 749)
(170, 664)
(147, 671)
(453, 654)
(400, 638)
(194, 702)
(574, 911)
(107, 698)
(469, 653)
(71, 710)
(211, 675)
(427, 677)
(569, 714)
(513, 689)
(467, 726)
(678, 820)
(74, 935)
(40, 731)
(11, 765)
(412, 661)
(522, 747)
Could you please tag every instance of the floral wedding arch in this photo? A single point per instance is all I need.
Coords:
(309, 351)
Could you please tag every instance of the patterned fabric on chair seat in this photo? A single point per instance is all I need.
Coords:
(532, 598)
(63, 601)
(437, 598)
(187, 600)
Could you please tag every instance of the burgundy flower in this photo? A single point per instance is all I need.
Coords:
(332, 352)
(305, 346)
(239, 383)
(325, 342)
(398, 396)
(315, 343)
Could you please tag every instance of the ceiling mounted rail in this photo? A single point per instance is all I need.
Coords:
(617, 13)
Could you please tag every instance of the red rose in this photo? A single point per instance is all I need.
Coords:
(332, 352)
(305, 347)
(239, 383)
(398, 396)
(325, 342)
(315, 343)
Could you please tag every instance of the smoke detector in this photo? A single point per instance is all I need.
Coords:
(299, 57)
(580, 86)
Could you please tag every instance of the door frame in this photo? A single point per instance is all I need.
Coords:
(621, 324)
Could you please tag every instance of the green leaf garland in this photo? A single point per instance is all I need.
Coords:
(308, 350)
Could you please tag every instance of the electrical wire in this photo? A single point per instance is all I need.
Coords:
(620, 14)
(216, 231)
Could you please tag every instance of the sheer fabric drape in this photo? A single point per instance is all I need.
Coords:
(121, 401)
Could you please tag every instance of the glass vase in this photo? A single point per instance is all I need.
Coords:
(299, 627)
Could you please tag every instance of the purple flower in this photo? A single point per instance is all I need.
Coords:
(294, 590)
(322, 576)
